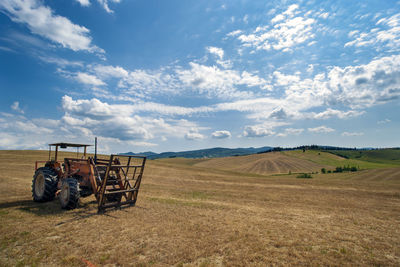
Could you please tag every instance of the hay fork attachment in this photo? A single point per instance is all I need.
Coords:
(117, 180)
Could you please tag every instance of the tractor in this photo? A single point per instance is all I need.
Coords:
(114, 181)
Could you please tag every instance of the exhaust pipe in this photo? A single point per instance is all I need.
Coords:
(95, 150)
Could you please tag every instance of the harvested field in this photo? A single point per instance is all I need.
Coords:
(190, 215)
(268, 163)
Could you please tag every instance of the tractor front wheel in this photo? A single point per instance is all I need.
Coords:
(44, 184)
(69, 194)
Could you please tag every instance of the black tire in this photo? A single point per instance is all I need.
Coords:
(69, 194)
(44, 184)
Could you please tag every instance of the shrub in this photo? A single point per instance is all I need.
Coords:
(323, 170)
(338, 169)
(304, 175)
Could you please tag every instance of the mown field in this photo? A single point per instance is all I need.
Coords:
(240, 211)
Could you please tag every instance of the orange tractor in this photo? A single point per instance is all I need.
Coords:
(114, 182)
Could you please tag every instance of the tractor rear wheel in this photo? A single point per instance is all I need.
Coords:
(69, 194)
(44, 184)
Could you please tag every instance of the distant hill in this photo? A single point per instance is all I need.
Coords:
(216, 152)
(391, 156)
(388, 155)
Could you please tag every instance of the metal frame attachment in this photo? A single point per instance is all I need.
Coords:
(118, 180)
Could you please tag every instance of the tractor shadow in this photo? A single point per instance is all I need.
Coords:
(47, 208)
(84, 210)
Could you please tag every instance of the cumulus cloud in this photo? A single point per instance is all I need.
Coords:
(219, 52)
(221, 134)
(121, 122)
(321, 129)
(257, 131)
(286, 31)
(194, 134)
(17, 132)
(42, 21)
(84, 2)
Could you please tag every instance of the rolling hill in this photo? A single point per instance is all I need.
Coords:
(266, 163)
(204, 153)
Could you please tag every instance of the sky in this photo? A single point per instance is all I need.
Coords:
(167, 75)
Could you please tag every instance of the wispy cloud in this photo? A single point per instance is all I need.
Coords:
(15, 106)
(384, 121)
(321, 129)
(290, 131)
(105, 4)
(352, 134)
(385, 34)
(88, 79)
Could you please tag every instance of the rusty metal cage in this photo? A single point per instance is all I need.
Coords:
(118, 180)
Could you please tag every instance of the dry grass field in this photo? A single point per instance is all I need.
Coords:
(221, 212)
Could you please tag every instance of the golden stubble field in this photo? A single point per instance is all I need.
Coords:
(189, 214)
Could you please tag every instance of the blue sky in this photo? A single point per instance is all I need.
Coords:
(181, 75)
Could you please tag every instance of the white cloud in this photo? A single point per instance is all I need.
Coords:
(321, 129)
(329, 113)
(17, 132)
(283, 80)
(285, 32)
(144, 83)
(385, 35)
(104, 4)
(352, 134)
(110, 71)
(246, 19)
(221, 134)
(365, 85)
(193, 134)
(290, 131)
(15, 107)
(120, 122)
(41, 20)
(88, 79)
(384, 121)
(257, 131)
(234, 33)
(324, 15)
(60, 61)
(219, 52)
(84, 2)
(214, 82)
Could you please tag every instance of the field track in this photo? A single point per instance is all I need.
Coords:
(267, 163)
